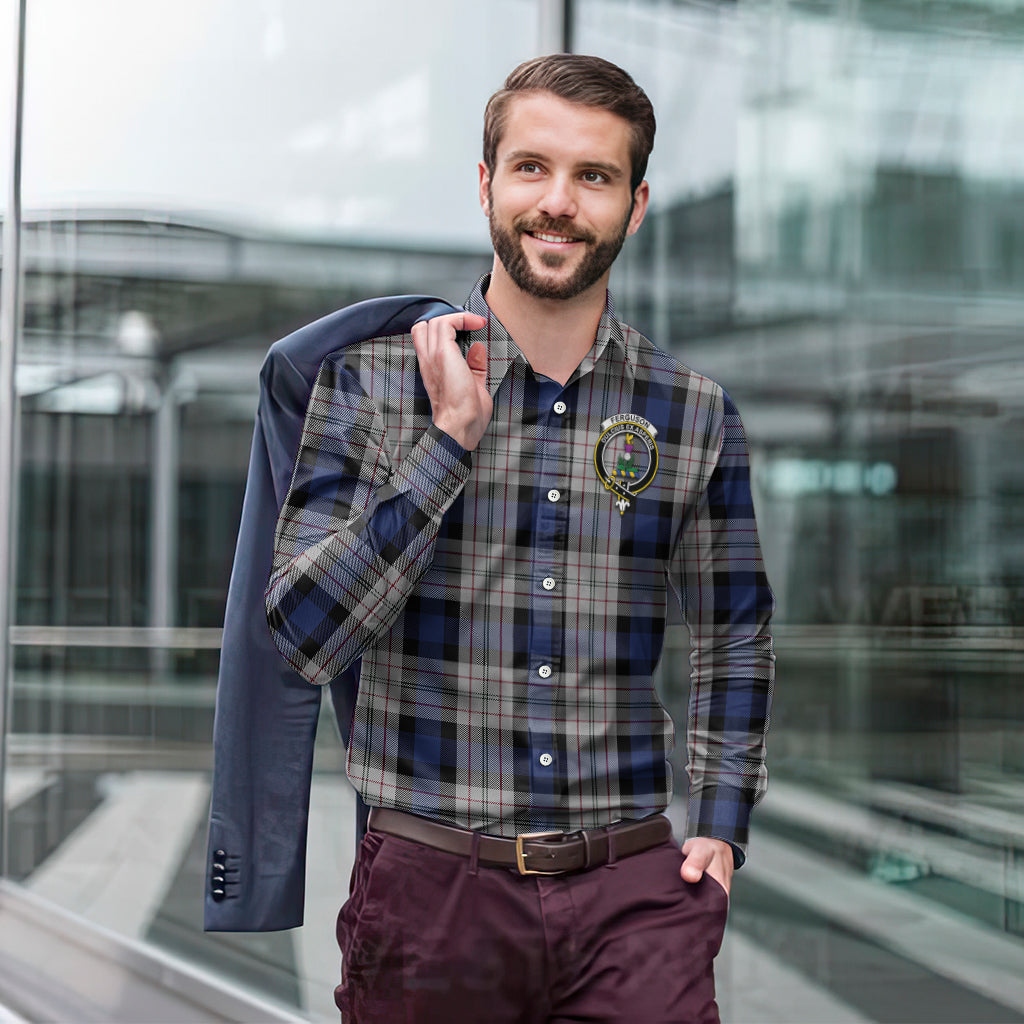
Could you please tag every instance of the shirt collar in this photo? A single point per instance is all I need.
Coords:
(502, 351)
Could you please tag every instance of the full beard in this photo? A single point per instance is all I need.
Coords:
(599, 256)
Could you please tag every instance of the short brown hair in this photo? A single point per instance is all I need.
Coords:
(577, 78)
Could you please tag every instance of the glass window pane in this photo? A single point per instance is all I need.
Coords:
(8, 23)
(200, 178)
(836, 236)
(350, 120)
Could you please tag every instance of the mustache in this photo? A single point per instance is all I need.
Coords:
(552, 226)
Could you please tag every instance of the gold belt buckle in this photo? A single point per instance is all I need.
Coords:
(521, 856)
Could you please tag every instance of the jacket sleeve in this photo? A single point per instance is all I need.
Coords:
(357, 530)
(727, 605)
(266, 713)
(264, 728)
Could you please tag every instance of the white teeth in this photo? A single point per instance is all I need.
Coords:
(551, 238)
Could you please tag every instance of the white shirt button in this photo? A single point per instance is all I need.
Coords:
(549, 583)
(545, 759)
(560, 407)
(544, 671)
(554, 495)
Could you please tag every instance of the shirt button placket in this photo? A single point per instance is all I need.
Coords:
(550, 523)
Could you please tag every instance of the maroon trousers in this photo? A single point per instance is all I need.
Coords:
(432, 938)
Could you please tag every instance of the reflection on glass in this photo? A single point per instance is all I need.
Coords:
(8, 25)
(836, 236)
(200, 179)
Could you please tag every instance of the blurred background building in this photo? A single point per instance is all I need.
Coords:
(836, 234)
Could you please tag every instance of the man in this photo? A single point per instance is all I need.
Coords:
(491, 515)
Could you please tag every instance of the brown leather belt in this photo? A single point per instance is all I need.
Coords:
(532, 853)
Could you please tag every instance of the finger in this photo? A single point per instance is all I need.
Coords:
(472, 321)
(447, 326)
(691, 872)
(477, 357)
(420, 342)
(440, 332)
(461, 321)
(695, 864)
(425, 335)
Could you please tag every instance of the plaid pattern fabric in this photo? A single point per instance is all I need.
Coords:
(507, 614)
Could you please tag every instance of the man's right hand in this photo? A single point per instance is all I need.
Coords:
(457, 386)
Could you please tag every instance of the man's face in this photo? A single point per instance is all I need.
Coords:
(559, 202)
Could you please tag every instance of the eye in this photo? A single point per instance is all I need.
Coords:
(529, 167)
(594, 177)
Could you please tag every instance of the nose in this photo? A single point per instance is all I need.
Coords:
(559, 198)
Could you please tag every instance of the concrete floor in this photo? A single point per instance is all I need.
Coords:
(810, 940)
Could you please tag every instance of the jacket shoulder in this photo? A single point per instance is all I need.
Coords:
(307, 347)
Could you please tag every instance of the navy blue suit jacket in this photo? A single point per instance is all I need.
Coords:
(266, 713)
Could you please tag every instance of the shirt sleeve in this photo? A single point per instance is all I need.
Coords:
(357, 530)
(727, 604)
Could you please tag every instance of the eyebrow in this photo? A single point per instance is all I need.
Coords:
(611, 170)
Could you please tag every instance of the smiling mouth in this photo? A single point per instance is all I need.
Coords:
(545, 236)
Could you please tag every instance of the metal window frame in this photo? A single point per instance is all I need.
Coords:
(555, 26)
(10, 326)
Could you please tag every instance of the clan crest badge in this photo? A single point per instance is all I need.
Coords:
(626, 457)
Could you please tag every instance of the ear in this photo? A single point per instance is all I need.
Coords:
(485, 183)
(641, 197)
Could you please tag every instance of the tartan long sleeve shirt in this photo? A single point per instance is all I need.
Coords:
(509, 604)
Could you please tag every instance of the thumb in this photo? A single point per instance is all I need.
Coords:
(477, 358)
(693, 864)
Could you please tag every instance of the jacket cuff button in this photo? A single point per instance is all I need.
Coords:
(218, 895)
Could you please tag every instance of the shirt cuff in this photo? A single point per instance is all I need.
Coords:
(434, 471)
(725, 815)
(450, 445)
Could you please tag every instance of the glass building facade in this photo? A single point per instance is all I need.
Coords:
(836, 234)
